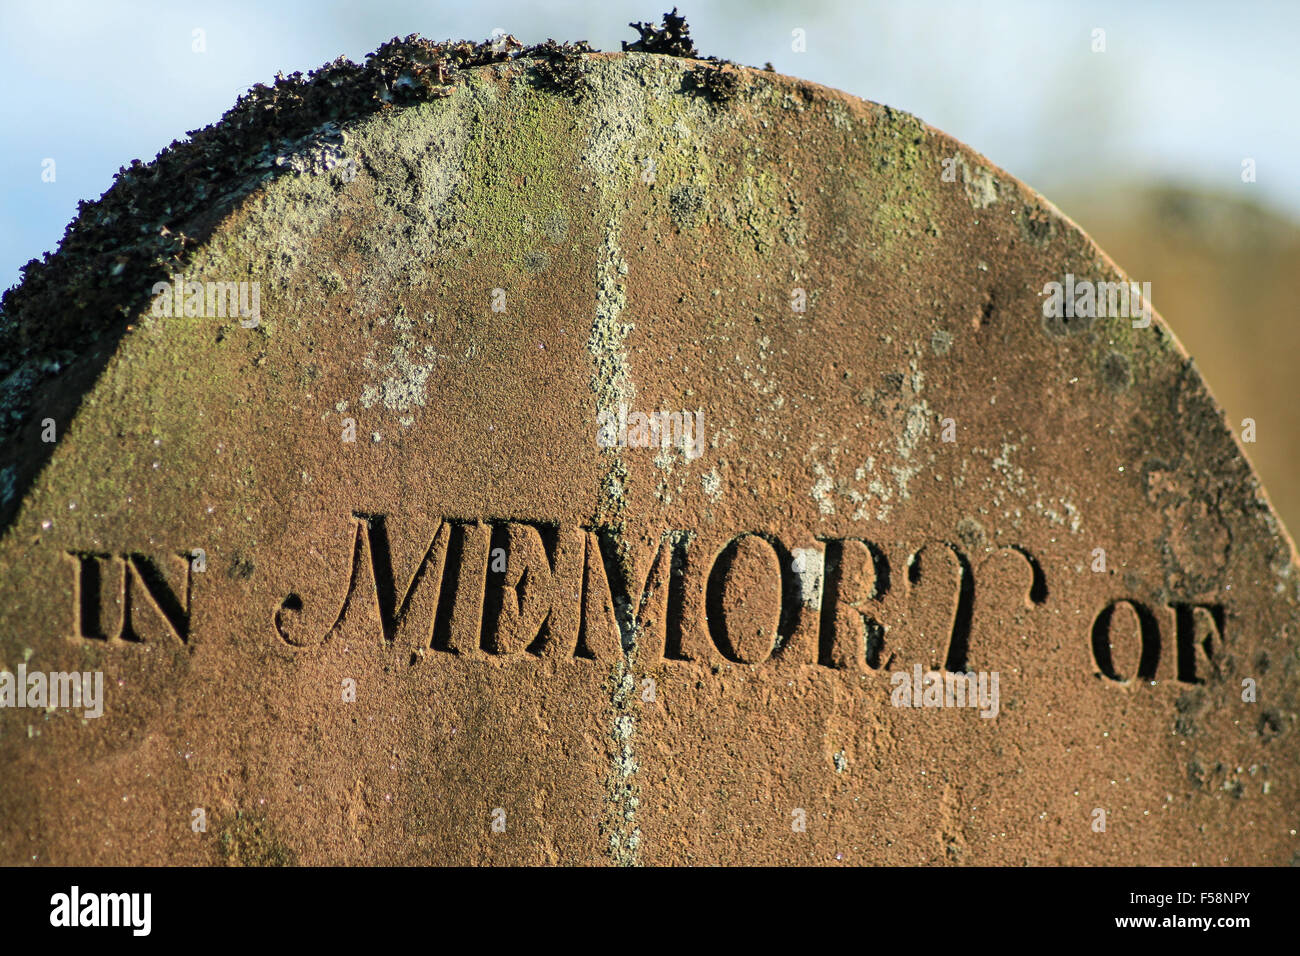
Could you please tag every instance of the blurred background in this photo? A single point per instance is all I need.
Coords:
(1136, 119)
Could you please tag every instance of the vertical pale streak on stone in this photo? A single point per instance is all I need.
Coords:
(615, 126)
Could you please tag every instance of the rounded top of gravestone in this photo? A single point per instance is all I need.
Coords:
(632, 436)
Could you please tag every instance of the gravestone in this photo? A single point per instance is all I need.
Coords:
(476, 457)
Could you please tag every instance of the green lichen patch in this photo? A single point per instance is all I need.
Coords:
(249, 840)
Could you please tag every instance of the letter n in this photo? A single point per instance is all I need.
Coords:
(151, 600)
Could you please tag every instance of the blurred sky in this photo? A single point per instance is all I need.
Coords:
(1183, 92)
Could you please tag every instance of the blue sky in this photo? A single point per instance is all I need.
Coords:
(1183, 92)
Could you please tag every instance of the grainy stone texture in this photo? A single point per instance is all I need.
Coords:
(685, 652)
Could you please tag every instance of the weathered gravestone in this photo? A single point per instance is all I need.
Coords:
(619, 458)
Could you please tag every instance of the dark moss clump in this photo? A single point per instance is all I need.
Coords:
(559, 67)
(672, 37)
(717, 83)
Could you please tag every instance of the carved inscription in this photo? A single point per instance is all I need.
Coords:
(511, 587)
(128, 597)
(564, 591)
(1127, 642)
